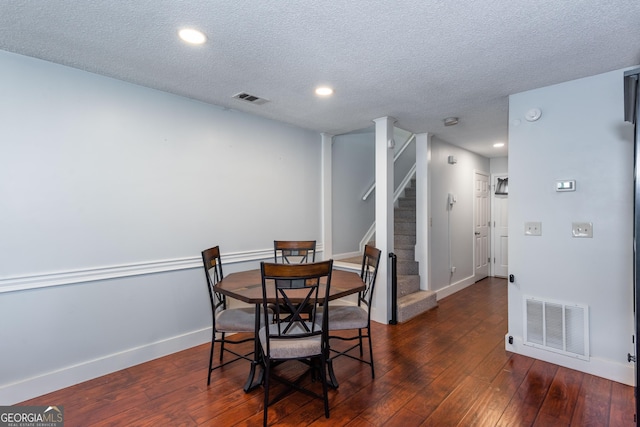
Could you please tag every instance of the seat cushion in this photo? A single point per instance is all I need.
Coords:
(236, 320)
(291, 348)
(347, 317)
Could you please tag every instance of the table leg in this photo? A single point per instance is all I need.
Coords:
(257, 358)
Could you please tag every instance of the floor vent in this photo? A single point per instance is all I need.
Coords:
(558, 327)
(250, 98)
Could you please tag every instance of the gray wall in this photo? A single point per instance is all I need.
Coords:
(353, 164)
(445, 178)
(108, 193)
(581, 135)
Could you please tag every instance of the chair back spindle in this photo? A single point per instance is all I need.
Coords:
(294, 251)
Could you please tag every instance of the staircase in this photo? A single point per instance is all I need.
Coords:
(411, 300)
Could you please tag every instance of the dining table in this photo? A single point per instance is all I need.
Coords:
(246, 286)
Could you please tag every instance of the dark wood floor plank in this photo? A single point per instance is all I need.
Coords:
(623, 404)
(525, 404)
(491, 404)
(445, 367)
(594, 402)
(454, 408)
(560, 402)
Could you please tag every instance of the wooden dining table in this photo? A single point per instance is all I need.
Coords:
(246, 286)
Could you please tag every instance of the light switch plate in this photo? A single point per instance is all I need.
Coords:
(533, 229)
(569, 185)
(582, 229)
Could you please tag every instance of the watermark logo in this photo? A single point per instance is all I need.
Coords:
(31, 416)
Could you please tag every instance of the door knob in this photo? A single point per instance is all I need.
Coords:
(477, 233)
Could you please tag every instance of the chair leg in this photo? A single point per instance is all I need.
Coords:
(267, 374)
(213, 340)
(373, 374)
(360, 341)
(325, 391)
(221, 347)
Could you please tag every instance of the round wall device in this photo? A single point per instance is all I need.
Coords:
(533, 114)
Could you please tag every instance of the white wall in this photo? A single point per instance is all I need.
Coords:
(445, 178)
(581, 135)
(499, 165)
(353, 167)
(108, 193)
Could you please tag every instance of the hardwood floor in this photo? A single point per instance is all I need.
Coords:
(447, 367)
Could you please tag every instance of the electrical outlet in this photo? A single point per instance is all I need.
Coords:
(533, 229)
(582, 229)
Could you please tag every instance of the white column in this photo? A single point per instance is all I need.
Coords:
(384, 216)
(327, 225)
(423, 155)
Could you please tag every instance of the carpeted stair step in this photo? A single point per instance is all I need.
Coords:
(415, 303)
(404, 202)
(405, 227)
(405, 252)
(407, 267)
(408, 284)
(407, 213)
(404, 239)
(410, 193)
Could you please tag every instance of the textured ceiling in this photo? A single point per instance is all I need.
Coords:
(418, 61)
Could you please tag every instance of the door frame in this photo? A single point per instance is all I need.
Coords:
(632, 113)
(475, 207)
(494, 178)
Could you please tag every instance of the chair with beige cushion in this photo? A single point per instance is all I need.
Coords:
(356, 318)
(225, 320)
(295, 287)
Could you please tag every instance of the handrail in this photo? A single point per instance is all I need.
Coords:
(395, 157)
(396, 195)
(394, 289)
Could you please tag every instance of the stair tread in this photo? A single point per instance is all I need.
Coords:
(413, 297)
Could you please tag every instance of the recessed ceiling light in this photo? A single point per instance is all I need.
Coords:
(498, 144)
(192, 36)
(324, 91)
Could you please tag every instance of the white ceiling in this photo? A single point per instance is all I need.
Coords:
(418, 61)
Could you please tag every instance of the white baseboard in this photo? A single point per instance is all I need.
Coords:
(454, 287)
(10, 394)
(619, 372)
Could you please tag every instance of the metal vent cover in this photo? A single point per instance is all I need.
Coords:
(243, 96)
(558, 327)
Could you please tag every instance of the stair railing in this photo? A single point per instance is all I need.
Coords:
(395, 157)
(396, 195)
(394, 289)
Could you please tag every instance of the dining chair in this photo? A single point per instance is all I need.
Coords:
(225, 320)
(356, 318)
(294, 251)
(295, 286)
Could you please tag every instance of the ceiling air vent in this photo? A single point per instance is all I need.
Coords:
(250, 98)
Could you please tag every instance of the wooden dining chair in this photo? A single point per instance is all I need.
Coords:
(225, 320)
(295, 337)
(356, 318)
(294, 251)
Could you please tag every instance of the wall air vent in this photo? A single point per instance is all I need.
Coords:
(558, 327)
(250, 98)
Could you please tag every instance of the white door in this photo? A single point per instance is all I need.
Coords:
(500, 235)
(481, 225)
